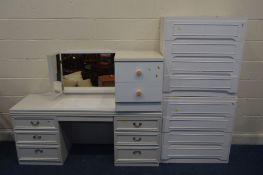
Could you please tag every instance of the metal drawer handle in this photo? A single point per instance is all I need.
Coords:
(136, 152)
(38, 151)
(137, 125)
(34, 123)
(137, 139)
(38, 137)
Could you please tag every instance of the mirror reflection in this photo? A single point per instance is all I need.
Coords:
(86, 70)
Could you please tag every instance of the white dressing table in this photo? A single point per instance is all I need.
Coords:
(41, 140)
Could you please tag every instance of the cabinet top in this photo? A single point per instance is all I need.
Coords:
(138, 56)
(66, 103)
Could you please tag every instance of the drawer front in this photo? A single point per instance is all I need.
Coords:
(139, 92)
(32, 153)
(205, 107)
(211, 29)
(196, 138)
(200, 83)
(197, 123)
(203, 64)
(134, 154)
(138, 71)
(37, 137)
(195, 152)
(202, 47)
(136, 124)
(137, 138)
(34, 123)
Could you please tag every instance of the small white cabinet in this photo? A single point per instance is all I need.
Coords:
(139, 79)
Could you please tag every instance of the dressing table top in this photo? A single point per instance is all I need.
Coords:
(66, 102)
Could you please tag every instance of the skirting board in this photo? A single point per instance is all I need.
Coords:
(247, 139)
(239, 139)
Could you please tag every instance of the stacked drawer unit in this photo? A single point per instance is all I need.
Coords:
(202, 67)
(138, 93)
(137, 139)
(37, 140)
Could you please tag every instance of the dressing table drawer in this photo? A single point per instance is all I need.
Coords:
(139, 92)
(136, 124)
(36, 137)
(137, 154)
(38, 153)
(137, 138)
(34, 123)
(138, 71)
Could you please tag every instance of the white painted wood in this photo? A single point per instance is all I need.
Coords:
(197, 138)
(127, 72)
(211, 28)
(77, 103)
(35, 123)
(137, 138)
(195, 160)
(196, 106)
(136, 124)
(151, 91)
(199, 64)
(36, 137)
(195, 152)
(202, 47)
(136, 154)
(38, 153)
(200, 85)
(198, 123)
(139, 107)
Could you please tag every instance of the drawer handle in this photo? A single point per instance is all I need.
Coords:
(136, 152)
(137, 139)
(138, 92)
(37, 137)
(138, 72)
(37, 151)
(137, 125)
(34, 123)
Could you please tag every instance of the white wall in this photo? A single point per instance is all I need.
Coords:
(31, 29)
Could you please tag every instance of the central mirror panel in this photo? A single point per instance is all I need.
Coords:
(86, 70)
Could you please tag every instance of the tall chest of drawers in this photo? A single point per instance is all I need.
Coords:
(201, 73)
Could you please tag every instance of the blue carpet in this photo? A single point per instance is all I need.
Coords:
(98, 159)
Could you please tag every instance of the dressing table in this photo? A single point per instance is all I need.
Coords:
(134, 109)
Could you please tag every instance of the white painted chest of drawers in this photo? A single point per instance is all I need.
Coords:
(201, 73)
